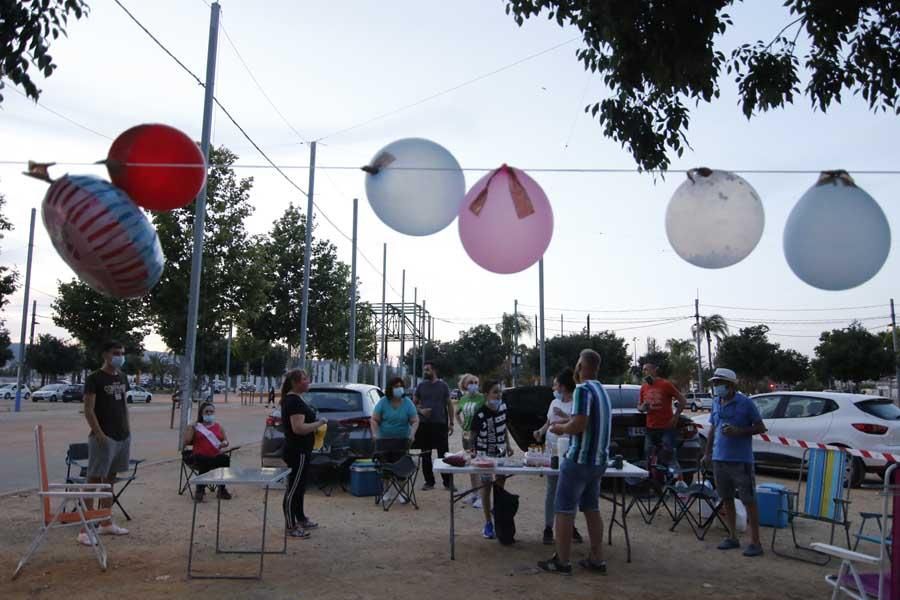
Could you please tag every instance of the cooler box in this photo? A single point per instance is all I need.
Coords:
(770, 498)
(364, 479)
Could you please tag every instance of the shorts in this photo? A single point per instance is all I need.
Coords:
(735, 478)
(105, 460)
(578, 485)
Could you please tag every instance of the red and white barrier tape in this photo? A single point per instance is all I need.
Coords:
(885, 456)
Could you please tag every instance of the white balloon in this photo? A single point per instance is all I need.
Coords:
(415, 186)
(714, 219)
(836, 237)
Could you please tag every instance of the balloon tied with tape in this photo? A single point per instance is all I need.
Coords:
(521, 201)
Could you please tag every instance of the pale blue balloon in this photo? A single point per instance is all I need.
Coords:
(417, 187)
(836, 237)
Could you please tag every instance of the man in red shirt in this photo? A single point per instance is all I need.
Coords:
(656, 399)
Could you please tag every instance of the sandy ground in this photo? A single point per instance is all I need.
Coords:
(362, 552)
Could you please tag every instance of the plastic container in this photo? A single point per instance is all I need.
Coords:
(771, 500)
(320, 436)
(364, 479)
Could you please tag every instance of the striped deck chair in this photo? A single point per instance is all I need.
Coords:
(72, 511)
(826, 499)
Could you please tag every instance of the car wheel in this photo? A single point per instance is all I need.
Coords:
(65, 400)
(149, 397)
(693, 407)
(33, 399)
(52, 398)
(129, 400)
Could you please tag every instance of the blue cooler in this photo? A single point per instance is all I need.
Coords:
(772, 498)
(364, 479)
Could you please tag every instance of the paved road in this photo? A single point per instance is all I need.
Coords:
(64, 424)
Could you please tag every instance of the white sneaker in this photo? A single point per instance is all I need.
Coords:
(477, 503)
(112, 529)
(85, 539)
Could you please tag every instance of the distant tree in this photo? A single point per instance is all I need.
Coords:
(682, 361)
(658, 57)
(510, 325)
(710, 327)
(789, 366)
(8, 276)
(852, 354)
(660, 358)
(749, 353)
(436, 352)
(50, 357)
(479, 350)
(562, 352)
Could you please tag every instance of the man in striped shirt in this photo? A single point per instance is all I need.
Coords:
(590, 429)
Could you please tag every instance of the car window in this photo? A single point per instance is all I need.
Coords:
(800, 407)
(767, 406)
(334, 400)
(374, 397)
(882, 408)
(620, 397)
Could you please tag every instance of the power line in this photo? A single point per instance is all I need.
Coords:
(799, 309)
(609, 310)
(63, 117)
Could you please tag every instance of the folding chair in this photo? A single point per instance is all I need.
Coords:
(652, 493)
(328, 471)
(77, 456)
(73, 497)
(826, 499)
(849, 581)
(397, 471)
(189, 469)
(876, 538)
(700, 494)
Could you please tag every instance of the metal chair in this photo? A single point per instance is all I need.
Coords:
(77, 456)
(397, 471)
(189, 469)
(700, 494)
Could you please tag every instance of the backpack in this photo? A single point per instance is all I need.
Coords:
(506, 506)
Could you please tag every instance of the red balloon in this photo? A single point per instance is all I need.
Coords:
(157, 188)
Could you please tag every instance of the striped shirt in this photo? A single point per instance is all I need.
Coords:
(591, 446)
(489, 430)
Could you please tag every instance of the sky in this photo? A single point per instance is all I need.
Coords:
(330, 66)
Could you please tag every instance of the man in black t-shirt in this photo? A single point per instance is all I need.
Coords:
(109, 441)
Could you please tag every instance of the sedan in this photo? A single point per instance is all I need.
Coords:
(346, 406)
(8, 391)
(73, 393)
(848, 420)
(51, 392)
(698, 401)
(138, 394)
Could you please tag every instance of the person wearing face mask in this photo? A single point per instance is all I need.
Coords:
(657, 399)
(490, 439)
(109, 441)
(468, 404)
(395, 416)
(208, 441)
(732, 425)
(432, 399)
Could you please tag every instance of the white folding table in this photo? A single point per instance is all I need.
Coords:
(617, 497)
(238, 476)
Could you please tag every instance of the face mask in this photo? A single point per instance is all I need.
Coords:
(398, 392)
(429, 376)
(209, 418)
(473, 388)
(557, 396)
(494, 404)
(720, 390)
(117, 361)
(649, 380)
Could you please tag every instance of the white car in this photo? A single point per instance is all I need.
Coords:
(8, 391)
(52, 392)
(849, 420)
(698, 401)
(138, 394)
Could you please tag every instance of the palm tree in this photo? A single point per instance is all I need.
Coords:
(711, 326)
(681, 360)
(509, 325)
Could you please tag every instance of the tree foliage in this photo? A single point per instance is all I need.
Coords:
(853, 354)
(8, 284)
(50, 356)
(25, 32)
(479, 350)
(512, 326)
(657, 57)
(754, 358)
(682, 361)
(562, 352)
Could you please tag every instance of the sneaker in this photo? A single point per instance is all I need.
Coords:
(488, 531)
(576, 537)
(112, 529)
(85, 539)
(597, 567)
(729, 544)
(427, 487)
(554, 565)
(307, 524)
(223, 494)
(477, 503)
(753, 550)
(548, 536)
(298, 533)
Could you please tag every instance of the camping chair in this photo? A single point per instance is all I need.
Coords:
(73, 496)
(189, 469)
(77, 456)
(328, 470)
(701, 494)
(849, 581)
(652, 493)
(397, 471)
(880, 523)
(826, 499)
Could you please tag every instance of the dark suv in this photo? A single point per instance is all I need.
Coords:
(73, 393)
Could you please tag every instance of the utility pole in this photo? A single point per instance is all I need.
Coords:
(415, 327)
(896, 350)
(515, 349)
(353, 370)
(383, 315)
(228, 362)
(699, 359)
(307, 253)
(589, 326)
(190, 345)
(31, 338)
(424, 339)
(562, 328)
(543, 350)
(403, 324)
(25, 312)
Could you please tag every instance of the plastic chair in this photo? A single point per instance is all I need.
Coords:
(397, 471)
(826, 499)
(71, 512)
(77, 456)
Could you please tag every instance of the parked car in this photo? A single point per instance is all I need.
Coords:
(138, 394)
(52, 392)
(849, 420)
(203, 393)
(218, 386)
(528, 406)
(698, 401)
(247, 387)
(8, 391)
(347, 407)
(73, 393)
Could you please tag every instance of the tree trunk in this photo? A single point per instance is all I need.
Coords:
(709, 350)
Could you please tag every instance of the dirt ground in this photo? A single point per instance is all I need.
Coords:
(361, 552)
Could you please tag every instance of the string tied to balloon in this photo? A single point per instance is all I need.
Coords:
(521, 201)
(835, 177)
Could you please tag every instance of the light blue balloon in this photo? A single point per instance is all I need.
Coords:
(417, 187)
(836, 237)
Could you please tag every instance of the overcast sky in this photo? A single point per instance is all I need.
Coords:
(328, 66)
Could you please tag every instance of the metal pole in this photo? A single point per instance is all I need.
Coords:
(190, 343)
(699, 359)
(541, 311)
(31, 337)
(415, 328)
(589, 326)
(562, 328)
(515, 348)
(307, 252)
(383, 316)
(353, 294)
(403, 324)
(896, 350)
(424, 339)
(228, 362)
(25, 312)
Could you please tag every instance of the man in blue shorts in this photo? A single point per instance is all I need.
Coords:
(578, 487)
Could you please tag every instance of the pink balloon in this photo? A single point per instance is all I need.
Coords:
(506, 221)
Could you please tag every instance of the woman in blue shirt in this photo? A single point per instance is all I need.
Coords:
(395, 416)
